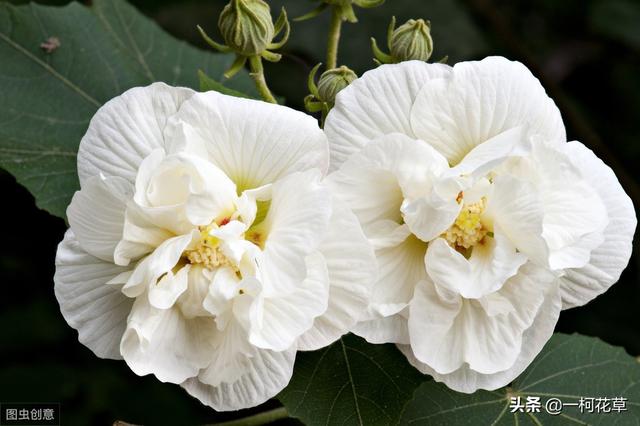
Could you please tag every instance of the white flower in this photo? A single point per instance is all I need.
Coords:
(203, 247)
(486, 222)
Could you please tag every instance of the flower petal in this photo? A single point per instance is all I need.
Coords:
(96, 214)
(484, 157)
(261, 377)
(278, 321)
(401, 267)
(126, 129)
(480, 100)
(180, 191)
(97, 310)
(391, 329)
(295, 225)
(580, 285)
(169, 288)
(428, 217)
(487, 269)
(352, 269)
(515, 207)
(164, 343)
(253, 142)
(533, 340)
(462, 343)
(376, 104)
(374, 181)
(158, 263)
(574, 213)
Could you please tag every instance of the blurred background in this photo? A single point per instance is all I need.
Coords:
(586, 53)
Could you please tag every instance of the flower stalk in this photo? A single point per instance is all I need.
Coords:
(334, 37)
(257, 73)
(259, 419)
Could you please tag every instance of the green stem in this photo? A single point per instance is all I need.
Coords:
(258, 419)
(334, 37)
(257, 72)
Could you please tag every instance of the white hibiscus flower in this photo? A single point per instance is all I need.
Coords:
(203, 247)
(486, 222)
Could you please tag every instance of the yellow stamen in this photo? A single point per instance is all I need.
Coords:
(207, 252)
(468, 229)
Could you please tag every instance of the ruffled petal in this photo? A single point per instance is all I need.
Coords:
(97, 310)
(352, 269)
(376, 104)
(391, 329)
(515, 207)
(574, 213)
(97, 214)
(169, 288)
(261, 377)
(375, 181)
(164, 343)
(295, 225)
(126, 129)
(478, 101)
(533, 340)
(158, 263)
(253, 142)
(400, 268)
(607, 261)
(180, 191)
(464, 342)
(490, 265)
(278, 321)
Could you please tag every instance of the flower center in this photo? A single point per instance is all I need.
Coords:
(468, 229)
(207, 252)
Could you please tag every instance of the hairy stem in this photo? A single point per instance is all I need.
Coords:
(258, 419)
(334, 37)
(257, 72)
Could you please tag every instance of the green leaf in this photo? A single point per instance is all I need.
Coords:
(570, 367)
(207, 83)
(47, 99)
(350, 383)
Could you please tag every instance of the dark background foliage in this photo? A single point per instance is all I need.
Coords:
(587, 54)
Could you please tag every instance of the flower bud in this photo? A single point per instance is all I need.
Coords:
(334, 80)
(412, 41)
(247, 26)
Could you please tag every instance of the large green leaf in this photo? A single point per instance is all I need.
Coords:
(47, 99)
(569, 368)
(350, 383)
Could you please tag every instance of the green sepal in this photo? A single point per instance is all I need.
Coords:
(311, 81)
(237, 65)
(315, 12)
(368, 4)
(218, 46)
(271, 56)
(347, 13)
(379, 55)
(312, 105)
(281, 24)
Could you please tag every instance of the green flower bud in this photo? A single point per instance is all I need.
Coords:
(412, 41)
(332, 81)
(247, 26)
